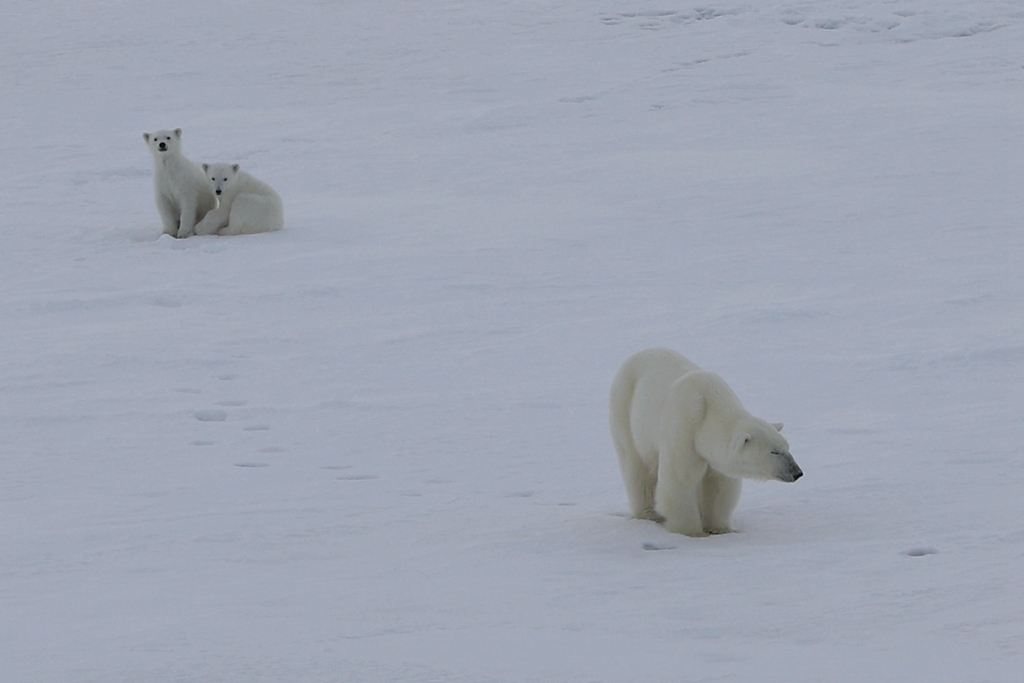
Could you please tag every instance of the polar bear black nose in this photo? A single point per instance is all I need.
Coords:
(218, 191)
(163, 146)
(789, 471)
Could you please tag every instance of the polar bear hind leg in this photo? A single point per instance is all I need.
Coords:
(640, 479)
(640, 482)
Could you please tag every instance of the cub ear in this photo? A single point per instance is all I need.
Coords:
(234, 167)
(777, 425)
(177, 132)
(738, 442)
(145, 136)
(206, 167)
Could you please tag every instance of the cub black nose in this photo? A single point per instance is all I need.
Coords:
(218, 191)
(163, 146)
(797, 475)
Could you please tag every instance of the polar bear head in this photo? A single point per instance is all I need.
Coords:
(163, 141)
(758, 451)
(220, 176)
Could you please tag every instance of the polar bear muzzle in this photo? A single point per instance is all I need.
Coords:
(788, 470)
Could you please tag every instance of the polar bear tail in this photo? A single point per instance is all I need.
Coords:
(640, 481)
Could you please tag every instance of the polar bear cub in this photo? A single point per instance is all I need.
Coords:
(182, 195)
(685, 441)
(247, 205)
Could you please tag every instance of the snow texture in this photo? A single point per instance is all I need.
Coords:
(374, 446)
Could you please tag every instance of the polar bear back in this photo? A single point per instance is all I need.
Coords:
(247, 183)
(652, 373)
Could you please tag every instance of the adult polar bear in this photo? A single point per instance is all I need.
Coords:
(247, 205)
(182, 196)
(685, 441)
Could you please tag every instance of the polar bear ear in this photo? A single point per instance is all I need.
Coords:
(177, 132)
(738, 442)
(145, 136)
(234, 167)
(206, 167)
(777, 425)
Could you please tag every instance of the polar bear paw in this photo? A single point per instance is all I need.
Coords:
(650, 514)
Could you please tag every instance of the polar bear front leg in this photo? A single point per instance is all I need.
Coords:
(719, 495)
(168, 216)
(212, 222)
(677, 497)
(187, 228)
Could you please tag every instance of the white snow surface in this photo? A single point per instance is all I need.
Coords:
(374, 446)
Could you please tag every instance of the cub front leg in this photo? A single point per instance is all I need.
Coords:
(168, 215)
(212, 222)
(187, 228)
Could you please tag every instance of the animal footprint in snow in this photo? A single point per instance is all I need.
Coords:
(210, 415)
(165, 301)
(251, 464)
(658, 546)
(357, 477)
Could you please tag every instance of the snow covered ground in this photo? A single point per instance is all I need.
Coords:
(373, 447)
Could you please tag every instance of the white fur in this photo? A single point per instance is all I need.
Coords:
(685, 441)
(247, 205)
(182, 195)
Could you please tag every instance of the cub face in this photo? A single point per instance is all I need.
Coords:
(163, 141)
(220, 176)
(759, 451)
